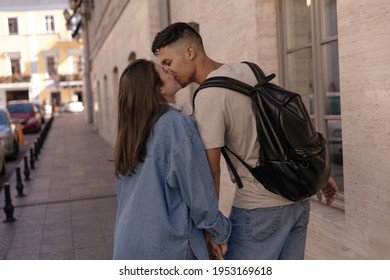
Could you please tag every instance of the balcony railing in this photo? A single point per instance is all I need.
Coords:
(27, 78)
(70, 77)
(15, 79)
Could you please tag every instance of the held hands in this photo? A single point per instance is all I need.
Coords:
(216, 252)
(330, 191)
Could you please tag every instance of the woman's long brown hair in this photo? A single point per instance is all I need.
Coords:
(139, 107)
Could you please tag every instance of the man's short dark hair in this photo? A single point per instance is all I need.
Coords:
(174, 32)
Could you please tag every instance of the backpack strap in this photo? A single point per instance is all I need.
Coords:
(235, 85)
(256, 70)
(224, 82)
(240, 159)
(241, 87)
(260, 76)
(231, 166)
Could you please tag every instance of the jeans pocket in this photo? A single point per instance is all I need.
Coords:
(262, 223)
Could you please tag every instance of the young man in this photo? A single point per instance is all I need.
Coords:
(264, 225)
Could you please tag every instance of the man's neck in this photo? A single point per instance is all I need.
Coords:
(204, 68)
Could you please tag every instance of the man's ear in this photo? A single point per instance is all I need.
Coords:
(190, 52)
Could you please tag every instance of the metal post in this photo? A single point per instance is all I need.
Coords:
(32, 161)
(39, 142)
(26, 169)
(8, 208)
(38, 146)
(19, 184)
(36, 151)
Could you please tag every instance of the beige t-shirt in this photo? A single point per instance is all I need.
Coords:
(225, 117)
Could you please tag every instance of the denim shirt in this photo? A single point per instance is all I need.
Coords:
(164, 207)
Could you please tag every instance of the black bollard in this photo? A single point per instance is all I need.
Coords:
(39, 142)
(26, 169)
(19, 184)
(36, 151)
(38, 148)
(32, 161)
(8, 208)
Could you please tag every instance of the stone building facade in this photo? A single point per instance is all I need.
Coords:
(336, 53)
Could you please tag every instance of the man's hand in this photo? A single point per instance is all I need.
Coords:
(330, 191)
(216, 252)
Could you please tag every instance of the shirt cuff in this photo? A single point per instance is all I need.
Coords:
(221, 230)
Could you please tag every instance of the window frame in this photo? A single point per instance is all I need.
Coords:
(17, 25)
(19, 66)
(46, 23)
(318, 40)
(55, 65)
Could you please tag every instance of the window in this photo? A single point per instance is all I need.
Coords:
(76, 60)
(15, 66)
(49, 23)
(13, 25)
(51, 65)
(310, 62)
(78, 96)
(78, 64)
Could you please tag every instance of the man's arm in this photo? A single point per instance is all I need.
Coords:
(214, 157)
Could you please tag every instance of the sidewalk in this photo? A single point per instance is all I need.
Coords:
(70, 204)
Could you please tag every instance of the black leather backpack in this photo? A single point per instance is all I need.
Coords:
(294, 161)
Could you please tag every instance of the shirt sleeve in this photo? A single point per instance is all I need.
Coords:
(210, 117)
(190, 172)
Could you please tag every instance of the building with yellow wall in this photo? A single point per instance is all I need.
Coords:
(39, 60)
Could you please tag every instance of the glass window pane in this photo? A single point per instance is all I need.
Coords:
(329, 16)
(330, 63)
(334, 139)
(49, 23)
(298, 23)
(12, 25)
(51, 66)
(300, 75)
(15, 66)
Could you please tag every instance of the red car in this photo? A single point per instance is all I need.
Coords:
(26, 113)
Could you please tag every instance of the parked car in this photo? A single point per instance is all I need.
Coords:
(2, 158)
(74, 107)
(9, 134)
(334, 129)
(41, 112)
(26, 113)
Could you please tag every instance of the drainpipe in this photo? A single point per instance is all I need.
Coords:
(87, 71)
(82, 8)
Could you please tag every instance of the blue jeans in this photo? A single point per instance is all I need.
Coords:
(274, 233)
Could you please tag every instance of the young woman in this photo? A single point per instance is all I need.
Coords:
(166, 196)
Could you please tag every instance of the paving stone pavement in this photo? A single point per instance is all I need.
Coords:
(69, 208)
(68, 211)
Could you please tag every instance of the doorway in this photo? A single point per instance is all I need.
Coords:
(55, 100)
